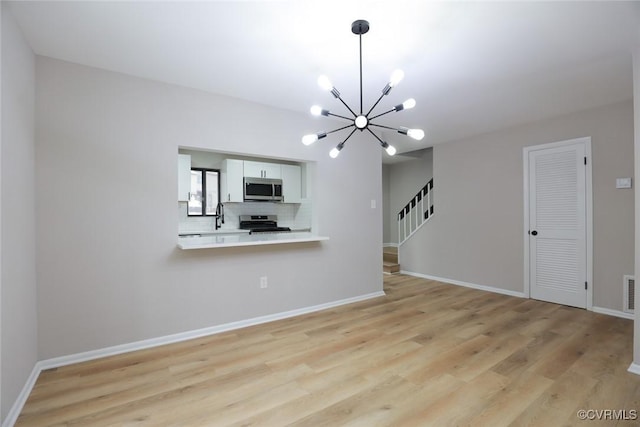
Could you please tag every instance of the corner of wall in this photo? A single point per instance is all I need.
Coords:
(18, 298)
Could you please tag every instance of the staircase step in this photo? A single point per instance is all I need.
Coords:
(390, 254)
(390, 267)
(392, 258)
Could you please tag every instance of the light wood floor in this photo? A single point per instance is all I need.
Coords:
(427, 354)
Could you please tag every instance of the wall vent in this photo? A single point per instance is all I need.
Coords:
(629, 294)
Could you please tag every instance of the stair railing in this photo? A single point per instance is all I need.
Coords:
(415, 213)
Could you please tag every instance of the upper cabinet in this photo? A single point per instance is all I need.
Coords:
(262, 170)
(233, 172)
(291, 184)
(231, 181)
(184, 177)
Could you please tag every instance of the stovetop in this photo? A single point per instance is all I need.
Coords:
(261, 224)
(270, 230)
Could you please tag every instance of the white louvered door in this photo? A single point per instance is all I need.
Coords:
(557, 225)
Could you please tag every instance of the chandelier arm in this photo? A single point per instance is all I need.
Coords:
(337, 115)
(383, 126)
(348, 108)
(342, 128)
(382, 114)
(349, 136)
(374, 105)
(377, 137)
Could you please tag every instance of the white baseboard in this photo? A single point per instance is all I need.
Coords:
(610, 312)
(198, 333)
(634, 369)
(15, 410)
(389, 245)
(57, 362)
(466, 284)
(601, 310)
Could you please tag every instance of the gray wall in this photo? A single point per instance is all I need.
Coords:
(18, 324)
(636, 142)
(109, 271)
(476, 234)
(401, 182)
(386, 205)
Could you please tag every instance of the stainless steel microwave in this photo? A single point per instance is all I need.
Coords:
(262, 190)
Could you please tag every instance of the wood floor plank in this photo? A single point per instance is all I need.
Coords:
(509, 403)
(451, 409)
(558, 404)
(426, 354)
(408, 411)
(362, 406)
(535, 350)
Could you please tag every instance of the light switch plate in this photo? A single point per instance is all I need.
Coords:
(623, 182)
(373, 203)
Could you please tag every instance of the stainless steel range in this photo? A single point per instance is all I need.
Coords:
(261, 224)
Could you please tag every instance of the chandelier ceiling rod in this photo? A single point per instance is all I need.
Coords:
(362, 121)
(360, 27)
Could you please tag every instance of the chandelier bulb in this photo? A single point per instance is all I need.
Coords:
(409, 104)
(396, 77)
(317, 110)
(309, 139)
(325, 83)
(390, 149)
(417, 134)
(413, 133)
(335, 151)
(406, 105)
(313, 137)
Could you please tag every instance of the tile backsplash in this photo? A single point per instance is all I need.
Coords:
(295, 216)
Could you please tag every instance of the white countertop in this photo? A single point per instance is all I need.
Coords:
(213, 232)
(245, 239)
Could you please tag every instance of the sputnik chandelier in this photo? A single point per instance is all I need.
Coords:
(362, 121)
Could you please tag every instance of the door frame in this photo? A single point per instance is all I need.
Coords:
(586, 141)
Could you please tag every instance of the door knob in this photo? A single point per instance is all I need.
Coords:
(534, 233)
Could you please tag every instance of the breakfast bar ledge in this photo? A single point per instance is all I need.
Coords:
(234, 240)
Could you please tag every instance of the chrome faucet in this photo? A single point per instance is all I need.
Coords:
(219, 215)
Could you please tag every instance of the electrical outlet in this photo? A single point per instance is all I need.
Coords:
(263, 282)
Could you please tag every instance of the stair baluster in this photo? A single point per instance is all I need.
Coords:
(415, 213)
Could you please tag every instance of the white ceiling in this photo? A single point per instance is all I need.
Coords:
(473, 67)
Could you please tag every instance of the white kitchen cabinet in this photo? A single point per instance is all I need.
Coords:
(262, 170)
(291, 184)
(231, 181)
(184, 177)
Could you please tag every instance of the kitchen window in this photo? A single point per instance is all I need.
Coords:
(205, 192)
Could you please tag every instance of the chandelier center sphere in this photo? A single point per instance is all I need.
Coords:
(361, 122)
